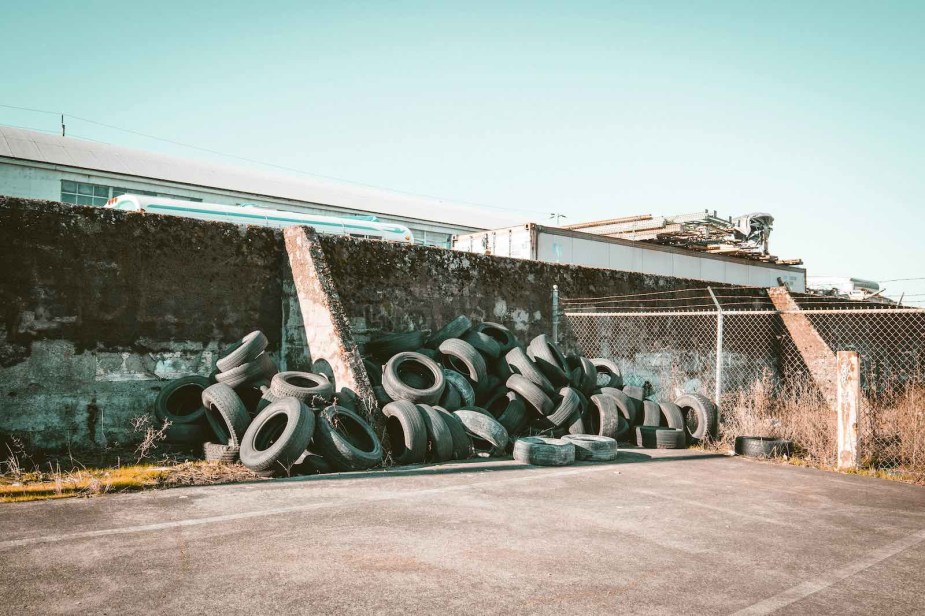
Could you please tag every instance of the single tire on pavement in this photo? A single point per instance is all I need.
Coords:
(180, 400)
(645, 436)
(345, 440)
(244, 351)
(406, 432)
(413, 377)
(261, 368)
(217, 452)
(225, 413)
(439, 439)
(306, 387)
(540, 451)
(670, 438)
(700, 416)
(593, 448)
(485, 431)
(763, 447)
(278, 437)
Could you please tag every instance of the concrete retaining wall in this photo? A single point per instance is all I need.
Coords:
(97, 307)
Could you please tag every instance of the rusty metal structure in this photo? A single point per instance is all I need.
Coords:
(743, 236)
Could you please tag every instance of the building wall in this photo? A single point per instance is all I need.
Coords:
(33, 180)
(98, 309)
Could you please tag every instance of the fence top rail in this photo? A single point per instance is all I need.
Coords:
(686, 313)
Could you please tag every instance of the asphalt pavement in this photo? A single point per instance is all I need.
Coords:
(657, 532)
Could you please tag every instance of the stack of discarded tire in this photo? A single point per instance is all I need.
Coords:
(480, 376)
(276, 423)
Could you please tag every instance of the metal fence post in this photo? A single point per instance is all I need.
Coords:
(555, 313)
(719, 348)
(848, 399)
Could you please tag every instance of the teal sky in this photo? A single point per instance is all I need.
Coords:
(812, 111)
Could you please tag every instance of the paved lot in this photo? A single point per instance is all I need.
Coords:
(674, 533)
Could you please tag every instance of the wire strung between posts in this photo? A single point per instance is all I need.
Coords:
(580, 299)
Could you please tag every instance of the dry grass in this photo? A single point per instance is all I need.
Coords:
(795, 412)
(891, 430)
(98, 481)
(25, 476)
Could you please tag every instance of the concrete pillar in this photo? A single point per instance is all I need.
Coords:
(847, 406)
(327, 330)
(816, 354)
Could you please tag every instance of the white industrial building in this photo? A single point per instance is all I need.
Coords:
(38, 165)
(43, 166)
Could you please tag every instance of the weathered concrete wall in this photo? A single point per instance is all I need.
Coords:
(389, 287)
(98, 306)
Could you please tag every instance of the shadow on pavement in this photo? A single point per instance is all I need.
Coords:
(494, 465)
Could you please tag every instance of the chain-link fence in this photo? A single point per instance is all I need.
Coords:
(770, 367)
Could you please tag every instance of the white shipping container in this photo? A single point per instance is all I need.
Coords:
(554, 245)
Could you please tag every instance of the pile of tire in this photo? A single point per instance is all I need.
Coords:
(479, 374)
(473, 388)
(275, 423)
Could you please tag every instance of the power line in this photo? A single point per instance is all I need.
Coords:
(258, 162)
(902, 279)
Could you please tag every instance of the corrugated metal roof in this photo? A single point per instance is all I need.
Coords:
(68, 151)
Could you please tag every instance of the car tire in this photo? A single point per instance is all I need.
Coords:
(462, 444)
(608, 373)
(536, 398)
(346, 440)
(763, 447)
(670, 438)
(263, 367)
(520, 363)
(701, 412)
(486, 433)
(225, 413)
(244, 351)
(454, 329)
(278, 437)
(439, 439)
(308, 388)
(429, 383)
(180, 400)
(540, 451)
(217, 452)
(549, 359)
(406, 432)
(460, 356)
(593, 448)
